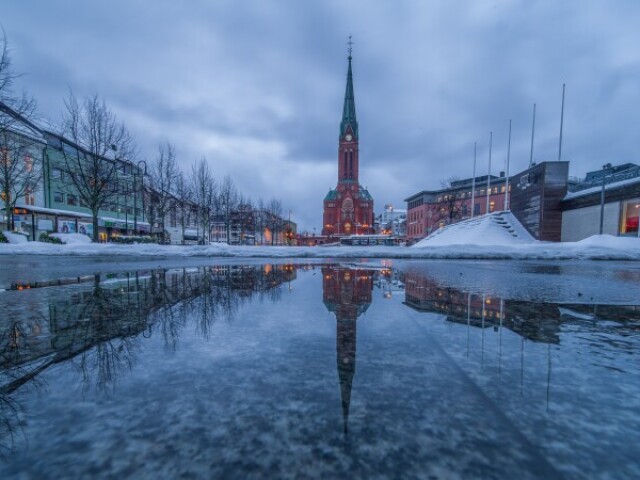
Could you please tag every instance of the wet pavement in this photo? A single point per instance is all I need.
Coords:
(372, 369)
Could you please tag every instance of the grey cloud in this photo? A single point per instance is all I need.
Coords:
(430, 79)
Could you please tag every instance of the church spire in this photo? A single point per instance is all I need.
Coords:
(349, 108)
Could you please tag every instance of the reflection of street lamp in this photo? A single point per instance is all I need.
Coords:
(135, 197)
(605, 169)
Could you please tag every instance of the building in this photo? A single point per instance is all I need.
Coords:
(348, 209)
(429, 210)
(533, 195)
(392, 221)
(589, 209)
(54, 203)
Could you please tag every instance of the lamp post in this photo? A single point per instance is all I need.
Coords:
(135, 199)
(605, 169)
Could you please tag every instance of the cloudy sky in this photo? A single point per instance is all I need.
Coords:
(256, 86)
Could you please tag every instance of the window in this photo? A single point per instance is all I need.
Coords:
(72, 200)
(492, 206)
(629, 217)
(58, 197)
(56, 173)
(28, 163)
(29, 197)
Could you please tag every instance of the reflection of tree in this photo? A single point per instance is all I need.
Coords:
(98, 329)
(347, 293)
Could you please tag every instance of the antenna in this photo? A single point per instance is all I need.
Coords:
(533, 131)
(489, 175)
(506, 188)
(350, 48)
(561, 122)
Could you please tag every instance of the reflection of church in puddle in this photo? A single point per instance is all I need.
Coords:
(347, 293)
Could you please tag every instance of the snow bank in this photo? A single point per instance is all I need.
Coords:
(72, 238)
(602, 247)
(498, 228)
(15, 238)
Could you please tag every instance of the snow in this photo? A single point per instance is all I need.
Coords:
(608, 186)
(497, 236)
(498, 228)
(15, 238)
(600, 247)
(72, 238)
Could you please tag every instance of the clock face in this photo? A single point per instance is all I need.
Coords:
(348, 137)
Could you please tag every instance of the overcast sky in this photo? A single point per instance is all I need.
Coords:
(257, 86)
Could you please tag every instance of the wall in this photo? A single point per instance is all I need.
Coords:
(583, 222)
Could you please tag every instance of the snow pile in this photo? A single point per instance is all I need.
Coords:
(72, 238)
(600, 247)
(15, 237)
(498, 228)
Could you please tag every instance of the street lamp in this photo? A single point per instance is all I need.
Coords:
(135, 200)
(605, 169)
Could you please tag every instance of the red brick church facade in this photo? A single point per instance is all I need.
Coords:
(348, 209)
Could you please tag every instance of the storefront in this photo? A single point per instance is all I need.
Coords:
(629, 217)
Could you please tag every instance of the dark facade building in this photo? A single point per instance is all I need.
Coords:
(348, 209)
(536, 194)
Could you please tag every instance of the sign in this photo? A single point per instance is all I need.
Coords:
(86, 229)
(45, 224)
(66, 226)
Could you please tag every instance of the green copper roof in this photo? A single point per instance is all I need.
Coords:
(364, 194)
(349, 108)
(332, 195)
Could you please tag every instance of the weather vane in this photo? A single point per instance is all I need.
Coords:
(350, 43)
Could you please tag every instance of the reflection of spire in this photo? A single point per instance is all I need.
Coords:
(346, 360)
(347, 293)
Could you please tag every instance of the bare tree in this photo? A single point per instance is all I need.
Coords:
(183, 201)
(260, 220)
(274, 217)
(203, 194)
(451, 205)
(19, 173)
(162, 181)
(227, 203)
(101, 150)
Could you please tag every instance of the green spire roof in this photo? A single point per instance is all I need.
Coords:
(349, 108)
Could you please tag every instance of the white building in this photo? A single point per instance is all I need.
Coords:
(392, 221)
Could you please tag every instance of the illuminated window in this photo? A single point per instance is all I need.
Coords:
(492, 206)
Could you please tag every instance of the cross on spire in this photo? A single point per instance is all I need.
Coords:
(350, 48)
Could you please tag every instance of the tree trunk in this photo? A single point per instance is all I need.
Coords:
(96, 236)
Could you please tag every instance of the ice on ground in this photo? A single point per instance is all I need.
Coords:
(498, 228)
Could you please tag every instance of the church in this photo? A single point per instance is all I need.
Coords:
(348, 209)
